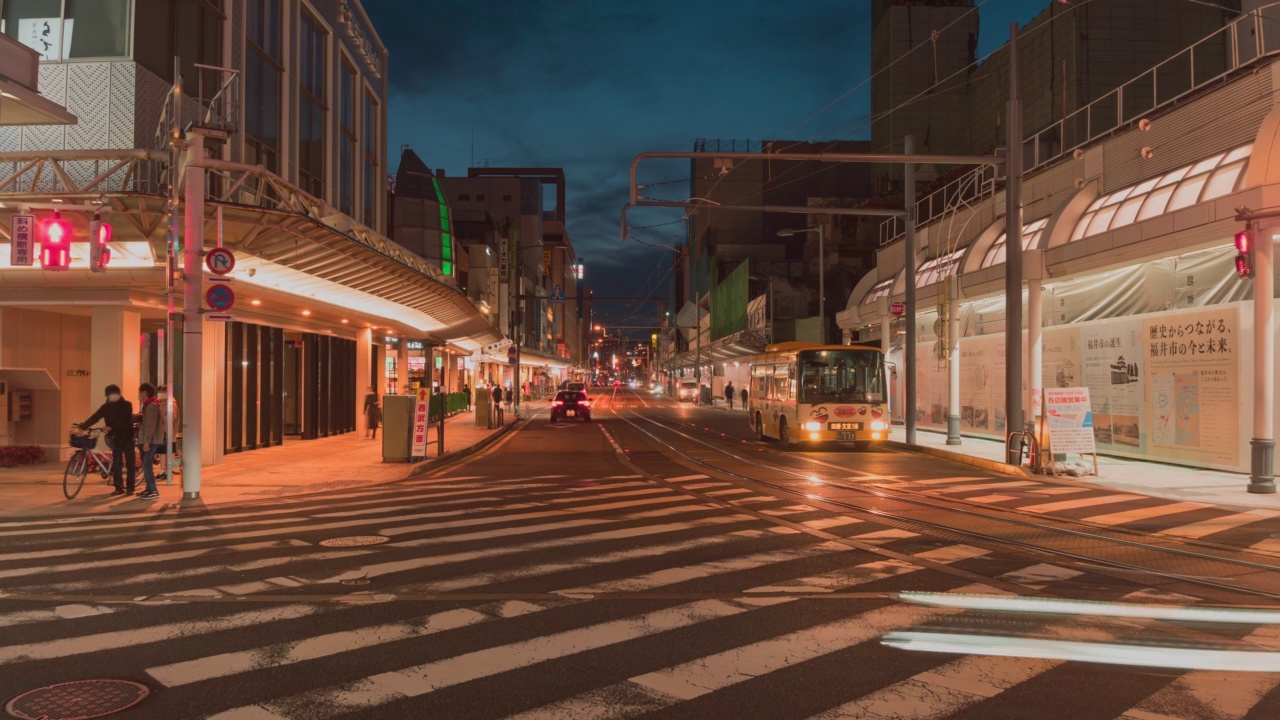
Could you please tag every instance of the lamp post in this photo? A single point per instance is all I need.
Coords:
(822, 259)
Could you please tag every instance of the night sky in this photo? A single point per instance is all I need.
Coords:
(586, 85)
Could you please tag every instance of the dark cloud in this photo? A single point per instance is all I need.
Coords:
(587, 84)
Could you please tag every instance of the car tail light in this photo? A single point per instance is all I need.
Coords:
(558, 402)
(584, 403)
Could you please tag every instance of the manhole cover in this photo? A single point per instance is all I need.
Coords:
(356, 581)
(77, 700)
(355, 540)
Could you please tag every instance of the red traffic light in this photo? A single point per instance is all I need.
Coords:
(1242, 267)
(55, 243)
(99, 240)
(1244, 243)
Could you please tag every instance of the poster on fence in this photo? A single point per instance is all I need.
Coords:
(1070, 420)
(420, 410)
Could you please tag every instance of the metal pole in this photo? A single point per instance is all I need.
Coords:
(1035, 343)
(953, 361)
(697, 314)
(1263, 444)
(1013, 247)
(909, 200)
(171, 266)
(192, 333)
(886, 339)
(822, 283)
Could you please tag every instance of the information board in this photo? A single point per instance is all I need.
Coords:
(420, 410)
(1069, 420)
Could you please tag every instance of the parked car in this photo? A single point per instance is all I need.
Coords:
(571, 404)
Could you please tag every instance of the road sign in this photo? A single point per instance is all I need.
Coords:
(220, 261)
(22, 246)
(220, 317)
(897, 309)
(220, 298)
(557, 294)
(511, 354)
(421, 417)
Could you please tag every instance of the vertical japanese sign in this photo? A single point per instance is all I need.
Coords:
(504, 262)
(1070, 420)
(546, 263)
(21, 240)
(420, 410)
(1192, 362)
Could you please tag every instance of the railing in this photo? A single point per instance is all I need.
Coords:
(1238, 44)
(220, 109)
(83, 172)
(972, 187)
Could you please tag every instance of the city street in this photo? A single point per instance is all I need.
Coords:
(656, 561)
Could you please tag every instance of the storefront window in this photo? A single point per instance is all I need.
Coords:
(347, 148)
(369, 211)
(49, 27)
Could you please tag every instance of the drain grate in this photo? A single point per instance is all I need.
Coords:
(78, 700)
(355, 541)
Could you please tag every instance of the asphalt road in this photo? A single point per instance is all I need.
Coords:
(658, 562)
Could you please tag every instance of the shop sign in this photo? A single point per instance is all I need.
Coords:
(23, 242)
(360, 39)
(420, 408)
(415, 345)
(1069, 420)
(504, 263)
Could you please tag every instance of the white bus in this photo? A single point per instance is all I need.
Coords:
(806, 392)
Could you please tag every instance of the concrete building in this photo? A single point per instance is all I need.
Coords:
(283, 107)
(1129, 267)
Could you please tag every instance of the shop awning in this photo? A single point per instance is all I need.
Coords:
(28, 379)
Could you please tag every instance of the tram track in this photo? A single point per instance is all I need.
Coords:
(1147, 557)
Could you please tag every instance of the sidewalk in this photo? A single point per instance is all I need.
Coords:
(1172, 482)
(295, 468)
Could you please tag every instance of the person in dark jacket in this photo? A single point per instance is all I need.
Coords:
(117, 413)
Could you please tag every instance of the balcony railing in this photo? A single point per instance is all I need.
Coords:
(1240, 43)
(972, 187)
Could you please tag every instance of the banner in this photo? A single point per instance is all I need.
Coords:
(729, 303)
(420, 415)
(1069, 420)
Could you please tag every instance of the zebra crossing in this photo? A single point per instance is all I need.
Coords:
(565, 596)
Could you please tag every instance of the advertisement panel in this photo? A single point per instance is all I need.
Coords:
(1069, 420)
(1192, 375)
(1111, 369)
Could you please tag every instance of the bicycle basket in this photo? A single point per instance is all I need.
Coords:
(84, 442)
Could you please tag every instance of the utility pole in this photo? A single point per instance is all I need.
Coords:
(822, 282)
(909, 200)
(192, 332)
(697, 314)
(1013, 248)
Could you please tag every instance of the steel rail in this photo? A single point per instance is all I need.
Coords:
(1114, 564)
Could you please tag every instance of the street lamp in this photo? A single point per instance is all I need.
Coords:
(822, 256)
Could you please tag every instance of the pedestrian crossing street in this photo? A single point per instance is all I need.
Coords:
(569, 597)
(1102, 506)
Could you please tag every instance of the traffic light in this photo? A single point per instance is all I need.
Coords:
(1244, 250)
(99, 239)
(55, 243)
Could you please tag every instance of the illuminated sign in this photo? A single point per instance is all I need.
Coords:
(416, 345)
(360, 39)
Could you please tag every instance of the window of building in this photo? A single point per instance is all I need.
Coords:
(506, 198)
(880, 290)
(1031, 233)
(199, 32)
(370, 160)
(1199, 182)
(312, 106)
(262, 85)
(465, 198)
(347, 149)
(935, 270)
(479, 198)
(49, 27)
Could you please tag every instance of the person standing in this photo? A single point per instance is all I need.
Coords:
(729, 394)
(167, 404)
(117, 413)
(743, 393)
(497, 402)
(370, 409)
(150, 438)
(466, 390)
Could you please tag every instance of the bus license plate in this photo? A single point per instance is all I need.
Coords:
(847, 436)
(844, 426)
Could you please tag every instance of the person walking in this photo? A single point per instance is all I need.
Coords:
(729, 394)
(117, 413)
(150, 438)
(466, 390)
(167, 404)
(508, 397)
(743, 393)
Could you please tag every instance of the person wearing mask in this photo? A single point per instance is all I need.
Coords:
(117, 413)
(150, 437)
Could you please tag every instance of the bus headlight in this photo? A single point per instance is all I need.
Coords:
(813, 436)
(879, 425)
(813, 426)
(875, 436)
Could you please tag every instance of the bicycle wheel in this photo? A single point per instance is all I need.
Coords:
(73, 476)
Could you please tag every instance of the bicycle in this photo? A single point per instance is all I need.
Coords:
(84, 459)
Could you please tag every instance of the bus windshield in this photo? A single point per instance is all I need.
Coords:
(850, 376)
